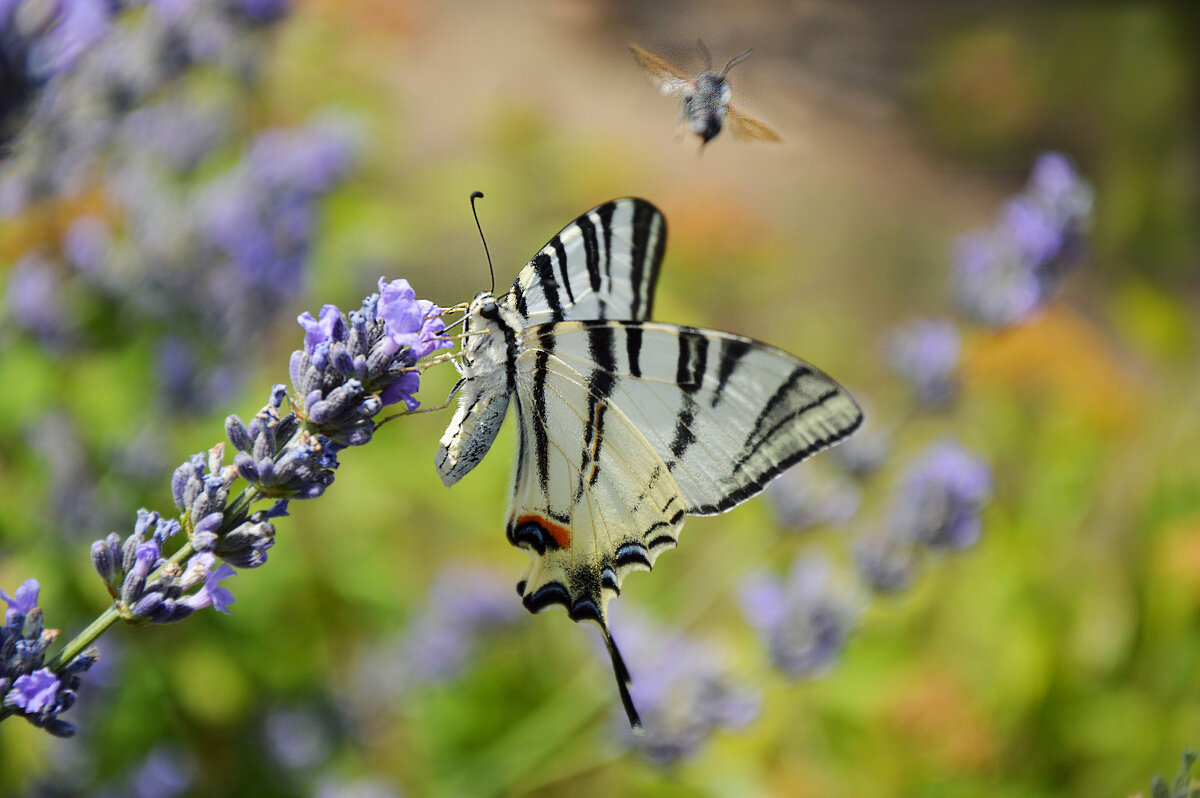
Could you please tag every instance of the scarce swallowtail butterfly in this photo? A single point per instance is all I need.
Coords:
(703, 101)
(624, 426)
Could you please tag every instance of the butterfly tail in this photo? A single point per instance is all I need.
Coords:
(623, 681)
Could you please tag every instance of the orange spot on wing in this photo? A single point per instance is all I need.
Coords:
(561, 535)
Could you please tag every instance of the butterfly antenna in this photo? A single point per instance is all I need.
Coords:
(737, 59)
(707, 55)
(474, 196)
(623, 682)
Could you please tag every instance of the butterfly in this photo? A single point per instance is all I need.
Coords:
(704, 102)
(624, 425)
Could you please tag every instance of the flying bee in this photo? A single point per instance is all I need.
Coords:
(704, 102)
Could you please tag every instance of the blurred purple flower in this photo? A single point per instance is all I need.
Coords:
(168, 771)
(682, 688)
(803, 498)
(296, 738)
(993, 284)
(940, 497)
(925, 352)
(80, 25)
(309, 160)
(34, 692)
(34, 297)
(87, 243)
(1004, 274)
(885, 563)
(805, 620)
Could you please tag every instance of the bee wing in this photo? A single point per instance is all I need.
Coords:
(661, 74)
(745, 127)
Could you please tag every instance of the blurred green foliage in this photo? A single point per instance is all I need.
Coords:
(1060, 657)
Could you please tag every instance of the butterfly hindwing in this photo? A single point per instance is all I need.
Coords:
(603, 265)
(726, 414)
(591, 497)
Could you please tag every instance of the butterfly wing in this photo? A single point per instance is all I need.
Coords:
(725, 414)
(745, 127)
(603, 265)
(666, 77)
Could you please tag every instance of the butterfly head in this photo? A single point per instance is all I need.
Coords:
(489, 321)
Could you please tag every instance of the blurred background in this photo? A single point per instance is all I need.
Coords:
(982, 219)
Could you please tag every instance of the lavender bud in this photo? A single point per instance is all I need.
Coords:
(246, 467)
(147, 605)
(166, 530)
(106, 557)
(216, 457)
(146, 521)
(34, 623)
(239, 436)
(298, 369)
(286, 429)
(264, 443)
(341, 360)
(135, 579)
(81, 663)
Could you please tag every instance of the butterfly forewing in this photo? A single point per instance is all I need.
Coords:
(726, 414)
(603, 265)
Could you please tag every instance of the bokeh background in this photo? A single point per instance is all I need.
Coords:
(180, 182)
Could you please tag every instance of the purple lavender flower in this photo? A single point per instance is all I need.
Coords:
(806, 620)
(884, 562)
(940, 498)
(212, 594)
(1004, 274)
(410, 322)
(993, 284)
(682, 688)
(925, 352)
(34, 692)
(350, 369)
(26, 687)
(80, 25)
(329, 327)
(803, 498)
(23, 600)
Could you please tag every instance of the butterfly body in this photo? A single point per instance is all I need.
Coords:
(624, 425)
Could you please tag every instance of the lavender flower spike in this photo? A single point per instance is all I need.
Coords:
(939, 500)
(806, 619)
